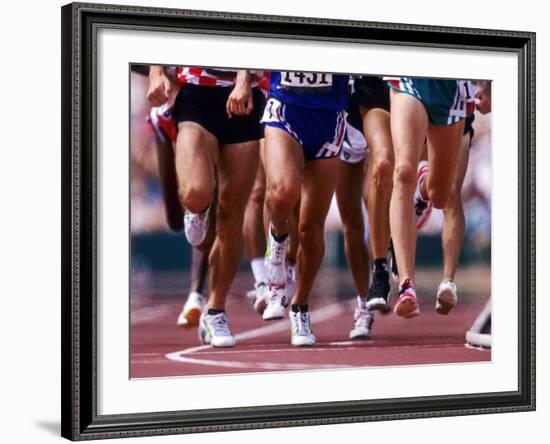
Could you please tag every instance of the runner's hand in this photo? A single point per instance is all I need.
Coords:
(240, 102)
(159, 86)
(483, 96)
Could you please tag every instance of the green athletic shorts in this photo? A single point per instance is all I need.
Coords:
(446, 101)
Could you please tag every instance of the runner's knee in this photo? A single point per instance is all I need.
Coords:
(228, 221)
(310, 235)
(257, 196)
(404, 175)
(283, 196)
(439, 196)
(454, 202)
(354, 235)
(382, 172)
(196, 198)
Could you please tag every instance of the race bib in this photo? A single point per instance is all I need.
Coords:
(467, 90)
(298, 79)
(272, 111)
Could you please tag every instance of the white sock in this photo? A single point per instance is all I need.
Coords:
(258, 269)
(361, 303)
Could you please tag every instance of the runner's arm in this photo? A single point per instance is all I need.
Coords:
(159, 86)
(240, 102)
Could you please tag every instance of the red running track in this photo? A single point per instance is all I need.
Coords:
(159, 348)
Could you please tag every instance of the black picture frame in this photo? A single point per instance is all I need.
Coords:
(80, 420)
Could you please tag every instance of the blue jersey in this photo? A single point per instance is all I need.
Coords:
(315, 90)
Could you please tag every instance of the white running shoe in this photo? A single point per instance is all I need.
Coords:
(446, 297)
(213, 330)
(196, 226)
(300, 329)
(422, 208)
(261, 294)
(277, 302)
(275, 261)
(362, 325)
(191, 311)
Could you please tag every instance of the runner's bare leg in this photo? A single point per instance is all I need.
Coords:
(452, 236)
(409, 127)
(236, 172)
(349, 196)
(284, 163)
(376, 123)
(443, 149)
(197, 153)
(199, 270)
(253, 225)
(318, 186)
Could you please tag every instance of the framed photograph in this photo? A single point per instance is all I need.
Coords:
(274, 221)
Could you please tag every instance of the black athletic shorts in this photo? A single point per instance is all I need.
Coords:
(205, 105)
(354, 116)
(371, 92)
(468, 127)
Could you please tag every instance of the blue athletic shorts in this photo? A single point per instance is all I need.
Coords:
(320, 132)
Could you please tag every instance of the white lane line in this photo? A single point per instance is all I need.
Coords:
(344, 343)
(319, 315)
(149, 314)
(274, 350)
(146, 354)
(256, 365)
(332, 346)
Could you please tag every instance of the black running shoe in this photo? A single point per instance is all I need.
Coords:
(379, 292)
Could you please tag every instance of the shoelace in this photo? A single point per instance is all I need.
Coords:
(378, 286)
(406, 285)
(303, 324)
(197, 220)
(279, 252)
(278, 293)
(450, 283)
(218, 323)
(362, 318)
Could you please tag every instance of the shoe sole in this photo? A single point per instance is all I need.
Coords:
(446, 301)
(379, 304)
(197, 242)
(273, 317)
(305, 344)
(232, 344)
(204, 337)
(407, 308)
(190, 318)
(359, 336)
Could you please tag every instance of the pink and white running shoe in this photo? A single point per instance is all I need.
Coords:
(407, 304)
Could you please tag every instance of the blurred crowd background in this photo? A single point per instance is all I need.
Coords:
(155, 246)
